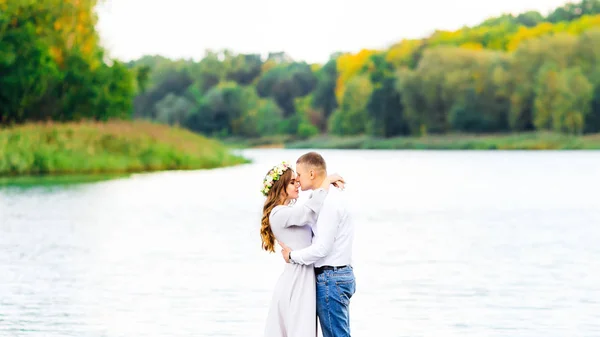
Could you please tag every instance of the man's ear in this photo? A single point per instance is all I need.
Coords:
(312, 174)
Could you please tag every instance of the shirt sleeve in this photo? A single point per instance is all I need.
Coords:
(300, 215)
(327, 225)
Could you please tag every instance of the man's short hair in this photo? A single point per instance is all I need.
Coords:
(312, 159)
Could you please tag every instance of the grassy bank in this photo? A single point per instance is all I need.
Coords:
(523, 141)
(113, 147)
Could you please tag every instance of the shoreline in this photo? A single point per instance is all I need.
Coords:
(530, 141)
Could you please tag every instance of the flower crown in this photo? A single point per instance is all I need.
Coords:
(274, 175)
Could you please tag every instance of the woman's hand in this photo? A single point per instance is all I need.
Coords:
(333, 179)
(337, 180)
(339, 185)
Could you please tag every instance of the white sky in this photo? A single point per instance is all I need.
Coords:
(307, 30)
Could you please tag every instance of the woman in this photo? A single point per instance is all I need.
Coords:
(293, 307)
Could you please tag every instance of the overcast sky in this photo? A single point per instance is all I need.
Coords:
(307, 30)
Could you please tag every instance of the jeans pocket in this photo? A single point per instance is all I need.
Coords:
(345, 289)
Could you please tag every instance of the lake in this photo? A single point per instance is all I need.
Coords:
(448, 244)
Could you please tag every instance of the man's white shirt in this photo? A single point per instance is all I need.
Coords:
(334, 234)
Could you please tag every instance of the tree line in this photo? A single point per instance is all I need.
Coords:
(511, 73)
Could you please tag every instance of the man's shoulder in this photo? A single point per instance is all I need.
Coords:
(334, 193)
(336, 197)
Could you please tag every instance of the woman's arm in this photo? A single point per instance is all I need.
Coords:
(300, 215)
(307, 213)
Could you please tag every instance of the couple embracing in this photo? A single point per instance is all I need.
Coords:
(316, 239)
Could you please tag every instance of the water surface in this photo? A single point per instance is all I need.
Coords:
(448, 244)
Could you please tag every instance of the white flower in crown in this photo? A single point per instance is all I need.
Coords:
(273, 175)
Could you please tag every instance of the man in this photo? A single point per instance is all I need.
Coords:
(330, 252)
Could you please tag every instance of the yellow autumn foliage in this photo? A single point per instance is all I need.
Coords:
(349, 65)
(401, 53)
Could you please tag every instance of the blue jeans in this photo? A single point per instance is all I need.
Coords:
(334, 290)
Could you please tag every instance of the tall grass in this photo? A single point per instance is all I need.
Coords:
(112, 147)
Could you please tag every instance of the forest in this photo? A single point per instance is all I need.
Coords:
(511, 73)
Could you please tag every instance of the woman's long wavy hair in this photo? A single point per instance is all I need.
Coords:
(275, 197)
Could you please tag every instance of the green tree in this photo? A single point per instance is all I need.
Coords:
(562, 99)
(176, 82)
(351, 117)
(244, 68)
(572, 11)
(174, 110)
(52, 67)
(386, 112)
(324, 99)
(528, 59)
(284, 83)
(530, 18)
(27, 69)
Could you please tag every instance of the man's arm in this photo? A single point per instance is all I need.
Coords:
(327, 225)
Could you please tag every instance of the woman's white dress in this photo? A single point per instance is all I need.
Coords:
(293, 307)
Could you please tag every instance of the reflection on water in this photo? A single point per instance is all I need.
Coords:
(448, 244)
